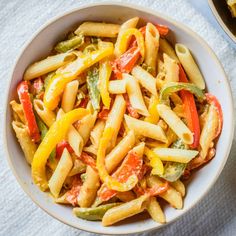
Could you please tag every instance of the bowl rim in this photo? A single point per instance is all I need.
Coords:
(148, 11)
(221, 22)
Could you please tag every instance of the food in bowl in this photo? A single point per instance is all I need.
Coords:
(114, 119)
(232, 7)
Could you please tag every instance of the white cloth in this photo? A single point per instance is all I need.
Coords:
(19, 19)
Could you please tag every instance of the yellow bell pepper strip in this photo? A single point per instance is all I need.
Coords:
(155, 162)
(71, 71)
(24, 97)
(132, 164)
(110, 181)
(104, 76)
(125, 40)
(55, 134)
(152, 109)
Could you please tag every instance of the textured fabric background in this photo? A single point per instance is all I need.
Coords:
(215, 215)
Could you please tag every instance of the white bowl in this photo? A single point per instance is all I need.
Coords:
(41, 44)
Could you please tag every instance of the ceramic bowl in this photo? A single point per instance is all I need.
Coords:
(39, 47)
(223, 16)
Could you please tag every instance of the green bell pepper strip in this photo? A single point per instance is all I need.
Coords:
(92, 84)
(93, 213)
(69, 44)
(173, 87)
(174, 170)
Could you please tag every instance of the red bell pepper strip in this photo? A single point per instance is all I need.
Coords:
(190, 110)
(131, 165)
(84, 102)
(211, 99)
(152, 192)
(126, 62)
(103, 114)
(73, 193)
(132, 111)
(60, 148)
(24, 97)
(88, 160)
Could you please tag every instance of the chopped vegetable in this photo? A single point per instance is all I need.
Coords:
(173, 171)
(24, 96)
(56, 133)
(131, 165)
(37, 86)
(173, 87)
(93, 213)
(211, 99)
(60, 148)
(88, 160)
(155, 162)
(92, 84)
(104, 76)
(72, 43)
(126, 62)
(190, 110)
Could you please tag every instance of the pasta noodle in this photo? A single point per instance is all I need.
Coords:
(117, 86)
(151, 47)
(98, 29)
(27, 145)
(135, 95)
(69, 95)
(47, 116)
(189, 65)
(145, 79)
(47, 65)
(89, 188)
(172, 69)
(62, 170)
(175, 123)
(145, 129)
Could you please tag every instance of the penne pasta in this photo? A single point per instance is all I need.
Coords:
(179, 186)
(117, 154)
(96, 132)
(145, 129)
(175, 123)
(131, 23)
(155, 211)
(89, 188)
(117, 86)
(166, 48)
(47, 65)
(115, 118)
(175, 155)
(171, 69)
(86, 125)
(208, 131)
(69, 96)
(26, 143)
(98, 29)
(125, 210)
(18, 111)
(47, 116)
(59, 175)
(135, 95)
(145, 79)
(151, 47)
(189, 65)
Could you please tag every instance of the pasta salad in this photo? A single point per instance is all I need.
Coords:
(115, 119)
